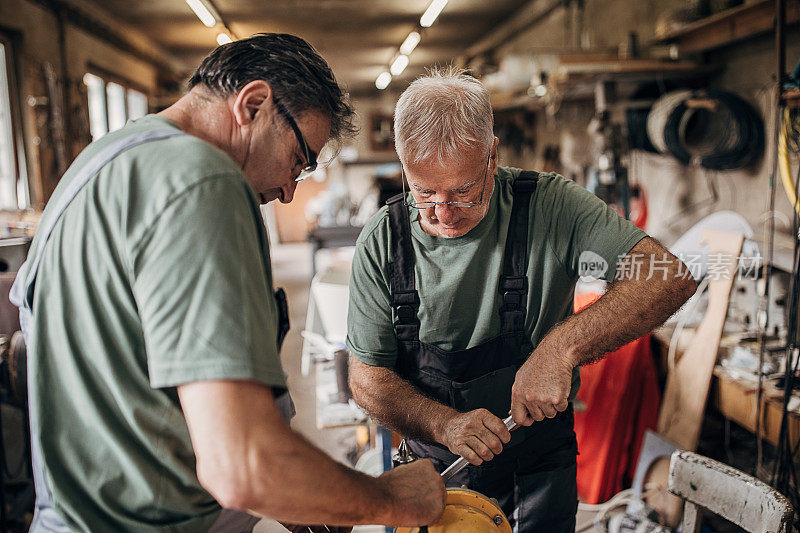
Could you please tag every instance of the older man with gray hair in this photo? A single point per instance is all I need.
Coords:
(460, 304)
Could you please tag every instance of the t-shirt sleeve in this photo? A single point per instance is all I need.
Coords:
(370, 333)
(587, 235)
(203, 291)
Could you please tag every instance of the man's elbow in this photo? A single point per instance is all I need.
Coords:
(682, 289)
(239, 484)
(358, 380)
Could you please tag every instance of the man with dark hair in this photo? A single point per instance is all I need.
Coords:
(156, 389)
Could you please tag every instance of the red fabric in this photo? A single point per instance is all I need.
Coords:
(622, 399)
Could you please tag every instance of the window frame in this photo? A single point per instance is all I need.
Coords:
(11, 45)
(109, 77)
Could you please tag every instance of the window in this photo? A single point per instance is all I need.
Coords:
(98, 121)
(115, 99)
(137, 104)
(111, 104)
(13, 179)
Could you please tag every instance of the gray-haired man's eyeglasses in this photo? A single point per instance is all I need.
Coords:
(428, 205)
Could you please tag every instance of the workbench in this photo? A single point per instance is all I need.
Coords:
(735, 396)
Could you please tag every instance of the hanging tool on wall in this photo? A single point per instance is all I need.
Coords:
(612, 175)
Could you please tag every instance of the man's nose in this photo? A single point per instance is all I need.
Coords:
(445, 212)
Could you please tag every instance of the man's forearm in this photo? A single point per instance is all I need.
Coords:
(397, 404)
(632, 307)
(311, 486)
(248, 458)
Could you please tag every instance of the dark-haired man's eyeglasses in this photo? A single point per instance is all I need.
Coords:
(428, 205)
(308, 153)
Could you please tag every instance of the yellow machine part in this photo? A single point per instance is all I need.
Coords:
(467, 511)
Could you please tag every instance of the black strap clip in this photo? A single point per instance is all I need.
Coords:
(512, 301)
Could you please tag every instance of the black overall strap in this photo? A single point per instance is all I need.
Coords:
(405, 299)
(514, 282)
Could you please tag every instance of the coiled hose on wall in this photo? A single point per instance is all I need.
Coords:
(715, 129)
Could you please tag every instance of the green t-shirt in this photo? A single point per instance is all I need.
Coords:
(458, 278)
(157, 274)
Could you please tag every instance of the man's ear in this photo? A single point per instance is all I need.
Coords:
(254, 97)
(493, 156)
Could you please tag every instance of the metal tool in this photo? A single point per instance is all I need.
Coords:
(404, 454)
(459, 464)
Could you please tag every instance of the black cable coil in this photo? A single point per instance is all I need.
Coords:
(737, 143)
(636, 121)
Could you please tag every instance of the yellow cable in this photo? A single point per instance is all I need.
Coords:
(784, 163)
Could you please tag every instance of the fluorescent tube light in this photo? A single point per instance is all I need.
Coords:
(399, 65)
(383, 80)
(410, 43)
(203, 13)
(432, 12)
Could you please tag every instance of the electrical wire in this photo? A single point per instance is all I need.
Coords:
(687, 313)
(764, 302)
(659, 115)
(789, 140)
(621, 498)
(738, 145)
(784, 474)
(636, 124)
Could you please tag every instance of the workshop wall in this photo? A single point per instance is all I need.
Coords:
(678, 196)
(36, 34)
(606, 24)
(672, 189)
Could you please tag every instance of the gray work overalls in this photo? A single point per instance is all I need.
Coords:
(45, 518)
(534, 478)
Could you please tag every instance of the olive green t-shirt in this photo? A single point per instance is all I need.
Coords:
(458, 278)
(157, 274)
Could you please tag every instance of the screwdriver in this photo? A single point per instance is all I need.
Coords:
(459, 464)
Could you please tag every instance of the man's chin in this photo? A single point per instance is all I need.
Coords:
(452, 232)
(270, 195)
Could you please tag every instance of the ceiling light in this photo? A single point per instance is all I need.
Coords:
(410, 43)
(224, 38)
(203, 13)
(399, 65)
(383, 80)
(432, 12)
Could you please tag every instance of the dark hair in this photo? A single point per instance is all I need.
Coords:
(295, 71)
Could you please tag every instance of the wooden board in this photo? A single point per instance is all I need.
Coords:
(688, 383)
(730, 25)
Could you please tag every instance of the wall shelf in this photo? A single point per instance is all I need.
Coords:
(792, 98)
(576, 81)
(730, 26)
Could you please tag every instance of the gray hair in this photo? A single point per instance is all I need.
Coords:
(440, 115)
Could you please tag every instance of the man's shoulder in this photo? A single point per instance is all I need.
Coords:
(375, 229)
(548, 184)
(508, 175)
(152, 175)
(145, 181)
(178, 162)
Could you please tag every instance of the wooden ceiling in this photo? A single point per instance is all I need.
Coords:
(359, 38)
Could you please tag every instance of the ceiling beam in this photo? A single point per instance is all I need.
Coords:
(524, 18)
(97, 22)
